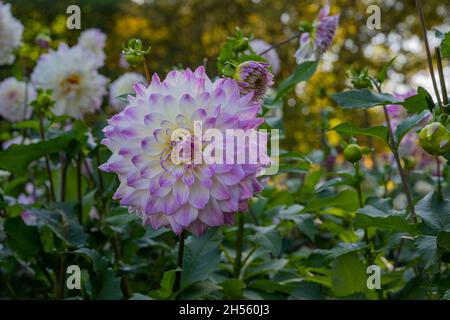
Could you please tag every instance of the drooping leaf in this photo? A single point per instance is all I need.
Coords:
(419, 102)
(350, 129)
(362, 99)
(17, 157)
(435, 212)
(22, 238)
(201, 257)
(346, 200)
(427, 248)
(406, 125)
(302, 72)
(269, 238)
(380, 214)
(349, 276)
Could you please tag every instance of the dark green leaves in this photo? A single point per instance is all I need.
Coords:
(201, 257)
(435, 212)
(379, 213)
(349, 276)
(349, 129)
(419, 102)
(302, 72)
(381, 76)
(363, 99)
(404, 127)
(17, 158)
(22, 238)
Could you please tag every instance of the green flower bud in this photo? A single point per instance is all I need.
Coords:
(134, 58)
(435, 139)
(44, 101)
(353, 153)
(410, 163)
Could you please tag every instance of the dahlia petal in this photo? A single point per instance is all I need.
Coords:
(199, 196)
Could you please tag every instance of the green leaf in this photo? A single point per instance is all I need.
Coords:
(21, 238)
(362, 99)
(201, 257)
(349, 129)
(124, 97)
(427, 248)
(379, 213)
(349, 276)
(99, 263)
(233, 288)
(269, 238)
(17, 157)
(302, 72)
(443, 240)
(435, 212)
(445, 45)
(346, 200)
(63, 223)
(166, 288)
(381, 76)
(419, 102)
(111, 286)
(406, 125)
(271, 286)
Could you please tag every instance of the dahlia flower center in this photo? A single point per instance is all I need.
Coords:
(12, 95)
(71, 81)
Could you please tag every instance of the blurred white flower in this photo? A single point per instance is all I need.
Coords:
(94, 40)
(271, 56)
(123, 85)
(71, 74)
(15, 97)
(10, 34)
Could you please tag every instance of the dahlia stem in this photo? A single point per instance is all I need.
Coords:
(100, 178)
(297, 35)
(64, 178)
(177, 283)
(117, 250)
(147, 72)
(361, 203)
(441, 75)
(427, 49)
(439, 183)
(403, 177)
(79, 191)
(47, 162)
(239, 246)
(60, 282)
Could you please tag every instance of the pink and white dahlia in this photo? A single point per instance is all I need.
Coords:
(10, 34)
(253, 76)
(315, 42)
(271, 56)
(182, 195)
(71, 74)
(123, 85)
(94, 40)
(15, 98)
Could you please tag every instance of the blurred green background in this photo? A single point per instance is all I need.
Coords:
(190, 33)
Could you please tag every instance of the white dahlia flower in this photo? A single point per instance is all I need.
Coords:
(15, 98)
(124, 84)
(94, 40)
(188, 194)
(71, 74)
(10, 34)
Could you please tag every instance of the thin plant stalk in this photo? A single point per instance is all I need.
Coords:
(428, 51)
(60, 282)
(295, 36)
(117, 250)
(147, 71)
(47, 161)
(64, 169)
(177, 283)
(403, 177)
(441, 75)
(439, 183)
(239, 246)
(360, 198)
(79, 190)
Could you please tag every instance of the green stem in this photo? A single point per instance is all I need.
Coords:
(295, 36)
(427, 49)
(361, 203)
(126, 289)
(47, 162)
(147, 71)
(79, 190)
(177, 283)
(439, 183)
(441, 75)
(60, 282)
(239, 246)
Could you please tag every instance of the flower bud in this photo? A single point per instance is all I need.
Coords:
(133, 58)
(353, 153)
(253, 76)
(435, 139)
(43, 40)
